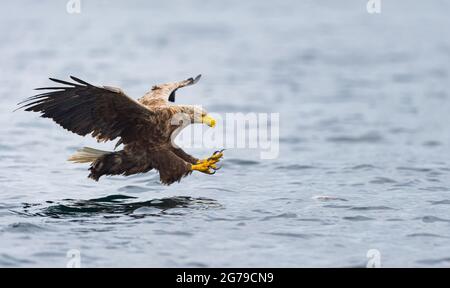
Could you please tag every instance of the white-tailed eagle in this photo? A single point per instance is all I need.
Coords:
(144, 127)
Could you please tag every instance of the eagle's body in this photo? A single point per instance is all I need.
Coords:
(145, 127)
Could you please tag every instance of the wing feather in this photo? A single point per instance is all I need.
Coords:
(166, 92)
(83, 108)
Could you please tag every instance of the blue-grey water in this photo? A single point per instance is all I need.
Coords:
(364, 134)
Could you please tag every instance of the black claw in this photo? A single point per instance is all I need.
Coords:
(217, 168)
(218, 151)
(215, 159)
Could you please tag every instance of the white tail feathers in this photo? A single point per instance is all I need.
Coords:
(86, 154)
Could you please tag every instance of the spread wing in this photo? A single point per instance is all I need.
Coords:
(187, 82)
(162, 93)
(82, 108)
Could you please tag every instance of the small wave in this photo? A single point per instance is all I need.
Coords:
(426, 235)
(337, 206)
(295, 167)
(363, 167)
(174, 233)
(432, 219)
(412, 183)
(196, 265)
(431, 143)
(357, 218)
(294, 235)
(401, 130)
(23, 227)
(441, 202)
(292, 140)
(146, 211)
(382, 180)
(414, 169)
(111, 198)
(370, 208)
(328, 198)
(310, 220)
(212, 218)
(372, 137)
(5, 206)
(10, 261)
(242, 162)
(394, 219)
(435, 189)
(219, 189)
(440, 261)
(283, 216)
(295, 183)
(133, 189)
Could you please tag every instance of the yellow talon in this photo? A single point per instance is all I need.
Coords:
(214, 158)
(203, 167)
(208, 165)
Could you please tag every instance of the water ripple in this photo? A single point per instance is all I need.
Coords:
(242, 162)
(426, 235)
(364, 167)
(439, 261)
(295, 167)
(328, 198)
(283, 215)
(7, 260)
(294, 235)
(357, 218)
(382, 180)
(370, 208)
(432, 219)
(371, 137)
(414, 169)
(23, 227)
(441, 202)
(133, 189)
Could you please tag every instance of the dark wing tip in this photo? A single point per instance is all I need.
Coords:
(172, 96)
(62, 82)
(192, 81)
(18, 108)
(197, 78)
(50, 88)
(80, 81)
(55, 89)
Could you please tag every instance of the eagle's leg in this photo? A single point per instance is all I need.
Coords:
(214, 158)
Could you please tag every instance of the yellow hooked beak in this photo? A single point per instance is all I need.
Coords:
(208, 120)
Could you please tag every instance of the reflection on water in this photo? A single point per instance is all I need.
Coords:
(117, 205)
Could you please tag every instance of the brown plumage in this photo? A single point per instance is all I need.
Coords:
(145, 127)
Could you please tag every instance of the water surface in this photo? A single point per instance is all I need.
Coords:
(364, 138)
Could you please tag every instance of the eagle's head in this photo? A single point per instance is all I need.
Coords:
(205, 118)
(198, 114)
